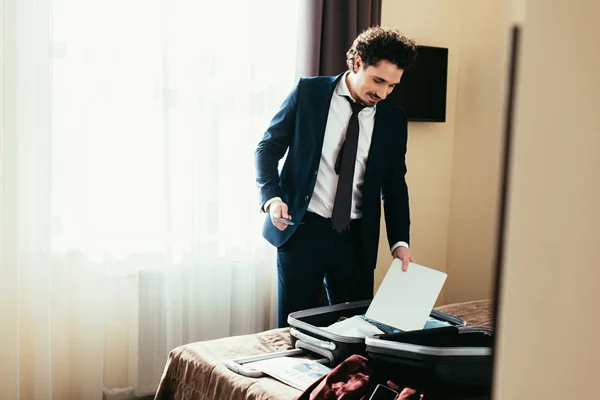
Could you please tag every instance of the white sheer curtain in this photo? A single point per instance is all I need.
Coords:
(129, 218)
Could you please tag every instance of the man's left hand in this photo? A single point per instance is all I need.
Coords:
(403, 254)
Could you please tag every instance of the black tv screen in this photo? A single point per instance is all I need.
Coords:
(422, 89)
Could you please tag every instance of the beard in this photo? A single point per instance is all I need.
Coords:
(369, 99)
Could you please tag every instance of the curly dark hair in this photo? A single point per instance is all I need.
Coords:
(377, 43)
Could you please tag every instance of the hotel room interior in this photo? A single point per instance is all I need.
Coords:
(131, 256)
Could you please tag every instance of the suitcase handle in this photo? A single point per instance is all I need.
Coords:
(237, 365)
(317, 350)
(309, 339)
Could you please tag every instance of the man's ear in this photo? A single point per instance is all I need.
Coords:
(357, 64)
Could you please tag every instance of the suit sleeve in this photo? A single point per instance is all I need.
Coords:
(273, 146)
(394, 192)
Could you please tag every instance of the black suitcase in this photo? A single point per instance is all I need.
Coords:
(308, 336)
(307, 333)
(453, 358)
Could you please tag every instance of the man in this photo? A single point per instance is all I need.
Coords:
(346, 147)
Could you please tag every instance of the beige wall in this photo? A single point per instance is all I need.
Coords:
(430, 147)
(478, 144)
(453, 167)
(548, 331)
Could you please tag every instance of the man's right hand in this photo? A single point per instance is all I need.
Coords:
(278, 209)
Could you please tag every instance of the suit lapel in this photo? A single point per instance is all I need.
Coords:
(320, 104)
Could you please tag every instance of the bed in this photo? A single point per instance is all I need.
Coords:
(197, 370)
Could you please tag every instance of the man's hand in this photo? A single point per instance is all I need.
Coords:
(403, 254)
(278, 209)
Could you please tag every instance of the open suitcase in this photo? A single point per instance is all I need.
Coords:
(309, 336)
(306, 330)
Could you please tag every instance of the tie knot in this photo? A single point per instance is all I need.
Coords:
(356, 107)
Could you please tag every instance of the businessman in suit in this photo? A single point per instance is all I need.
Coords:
(346, 149)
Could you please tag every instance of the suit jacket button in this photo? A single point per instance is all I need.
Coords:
(306, 198)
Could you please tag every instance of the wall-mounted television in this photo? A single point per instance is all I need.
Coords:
(422, 89)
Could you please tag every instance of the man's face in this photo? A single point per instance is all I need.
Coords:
(375, 82)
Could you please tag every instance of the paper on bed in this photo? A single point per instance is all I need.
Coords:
(405, 299)
(299, 373)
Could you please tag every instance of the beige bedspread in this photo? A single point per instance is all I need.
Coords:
(197, 370)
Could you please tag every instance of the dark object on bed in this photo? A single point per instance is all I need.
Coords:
(451, 357)
(357, 377)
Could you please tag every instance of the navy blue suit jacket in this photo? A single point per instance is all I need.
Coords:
(299, 126)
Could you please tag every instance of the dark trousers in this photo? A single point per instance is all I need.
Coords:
(317, 255)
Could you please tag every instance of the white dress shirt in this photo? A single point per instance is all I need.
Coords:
(338, 118)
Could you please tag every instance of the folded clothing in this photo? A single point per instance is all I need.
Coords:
(360, 326)
(356, 326)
